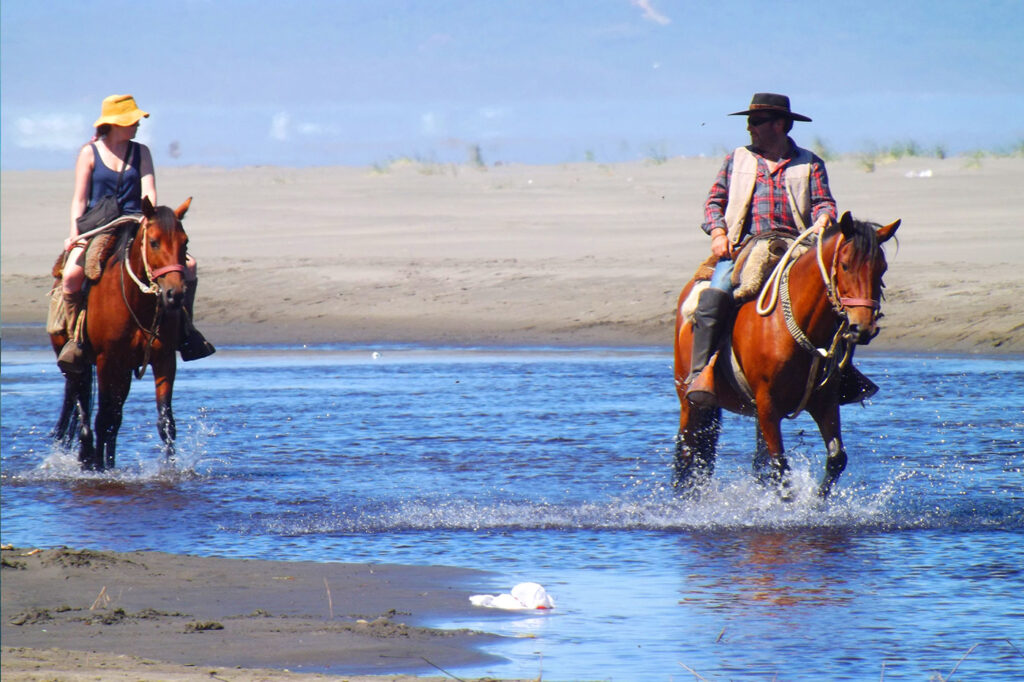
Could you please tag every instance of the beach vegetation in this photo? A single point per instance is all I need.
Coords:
(822, 150)
(974, 159)
(657, 155)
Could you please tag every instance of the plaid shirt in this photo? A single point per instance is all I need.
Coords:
(769, 207)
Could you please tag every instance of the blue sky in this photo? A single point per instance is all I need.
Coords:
(232, 82)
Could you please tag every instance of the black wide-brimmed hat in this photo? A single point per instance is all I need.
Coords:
(770, 103)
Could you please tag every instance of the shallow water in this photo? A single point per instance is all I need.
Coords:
(552, 466)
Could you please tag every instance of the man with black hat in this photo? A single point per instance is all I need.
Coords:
(769, 185)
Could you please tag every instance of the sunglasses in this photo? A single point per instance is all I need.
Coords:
(761, 121)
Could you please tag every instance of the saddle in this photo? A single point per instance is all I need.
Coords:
(754, 264)
(99, 249)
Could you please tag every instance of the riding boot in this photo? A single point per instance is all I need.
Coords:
(854, 387)
(193, 345)
(72, 356)
(713, 309)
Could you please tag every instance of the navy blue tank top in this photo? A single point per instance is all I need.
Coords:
(104, 181)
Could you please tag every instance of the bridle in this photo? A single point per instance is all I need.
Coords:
(153, 288)
(841, 303)
(151, 275)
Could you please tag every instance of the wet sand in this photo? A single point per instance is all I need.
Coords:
(87, 614)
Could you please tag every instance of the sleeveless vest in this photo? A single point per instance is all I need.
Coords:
(741, 190)
(103, 181)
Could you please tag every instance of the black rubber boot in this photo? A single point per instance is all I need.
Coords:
(854, 387)
(712, 314)
(193, 346)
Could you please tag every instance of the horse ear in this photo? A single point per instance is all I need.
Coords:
(147, 208)
(846, 223)
(180, 211)
(885, 233)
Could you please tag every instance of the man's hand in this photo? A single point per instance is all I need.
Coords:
(720, 245)
(823, 222)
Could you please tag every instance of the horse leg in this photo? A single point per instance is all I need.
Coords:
(88, 455)
(77, 388)
(827, 418)
(695, 446)
(114, 385)
(774, 466)
(762, 458)
(163, 378)
(74, 417)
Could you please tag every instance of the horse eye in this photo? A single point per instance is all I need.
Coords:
(846, 268)
(154, 243)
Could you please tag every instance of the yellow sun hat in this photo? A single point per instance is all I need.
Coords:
(120, 110)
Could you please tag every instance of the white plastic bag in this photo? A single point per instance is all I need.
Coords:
(524, 596)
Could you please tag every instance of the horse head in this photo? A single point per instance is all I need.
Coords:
(858, 264)
(163, 245)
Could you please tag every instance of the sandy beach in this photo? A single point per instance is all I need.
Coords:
(582, 254)
(86, 614)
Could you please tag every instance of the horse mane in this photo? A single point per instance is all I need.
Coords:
(163, 218)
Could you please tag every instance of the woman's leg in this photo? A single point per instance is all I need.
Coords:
(72, 356)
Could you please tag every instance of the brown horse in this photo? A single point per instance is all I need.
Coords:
(788, 359)
(132, 319)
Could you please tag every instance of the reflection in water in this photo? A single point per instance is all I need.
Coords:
(770, 568)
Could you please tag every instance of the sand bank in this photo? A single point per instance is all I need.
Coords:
(86, 614)
(571, 254)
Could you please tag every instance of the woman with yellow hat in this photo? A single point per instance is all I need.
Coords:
(112, 164)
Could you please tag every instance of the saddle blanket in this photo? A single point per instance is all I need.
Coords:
(754, 265)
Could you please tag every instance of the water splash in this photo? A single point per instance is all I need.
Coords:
(135, 465)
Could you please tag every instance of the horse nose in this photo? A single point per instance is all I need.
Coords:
(863, 334)
(174, 297)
